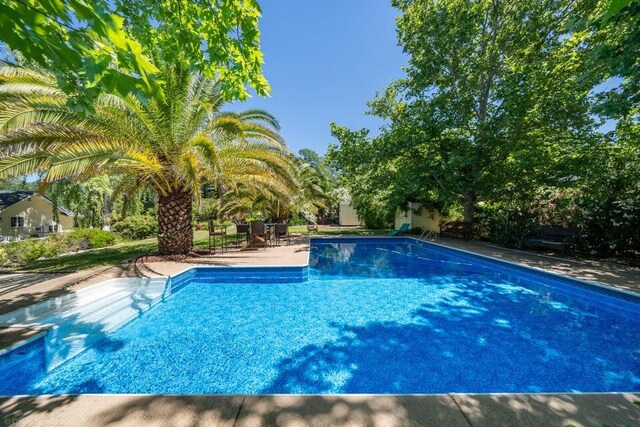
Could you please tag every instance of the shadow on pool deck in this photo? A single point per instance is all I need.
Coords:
(616, 275)
(339, 410)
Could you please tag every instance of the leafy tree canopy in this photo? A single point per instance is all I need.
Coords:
(494, 97)
(98, 45)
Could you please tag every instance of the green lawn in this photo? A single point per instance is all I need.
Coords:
(124, 251)
(94, 258)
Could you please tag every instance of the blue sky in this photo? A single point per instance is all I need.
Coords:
(324, 61)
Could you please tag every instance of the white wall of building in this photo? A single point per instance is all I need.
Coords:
(347, 215)
(424, 218)
(36, 213)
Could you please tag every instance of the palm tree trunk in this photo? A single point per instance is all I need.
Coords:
(175, 232)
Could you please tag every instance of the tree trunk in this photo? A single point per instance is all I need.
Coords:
(175, 232)
(469, 205)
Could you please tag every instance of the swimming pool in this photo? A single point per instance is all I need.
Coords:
(367, 316)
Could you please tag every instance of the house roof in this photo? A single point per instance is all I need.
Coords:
(9, 198)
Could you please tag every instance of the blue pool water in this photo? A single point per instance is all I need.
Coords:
(367, 316)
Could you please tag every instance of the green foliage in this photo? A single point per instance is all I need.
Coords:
(84, 260)
(137, 227)
(169, 145)
(369, 175)
(310, 199)
(108, 45)
(91, 238)
(614, 50)
(96, 200)
(16, 184)
(498, 115)
(4, 257)
(27, 251)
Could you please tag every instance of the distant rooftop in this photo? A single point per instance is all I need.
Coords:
(8, 198)
(11, 197)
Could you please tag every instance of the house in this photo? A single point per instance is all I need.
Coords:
(26, 213)
(419, 217)
(347, 216)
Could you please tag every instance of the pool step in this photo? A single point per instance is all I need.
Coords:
(77, 320)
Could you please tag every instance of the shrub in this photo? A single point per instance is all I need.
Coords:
(29, 250)
(4, 257)
(32, 249)
(89, 238)
(137, 227)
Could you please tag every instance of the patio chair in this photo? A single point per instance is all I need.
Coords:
(216, 230)
(403, 229)
(312, 226)
(259, 234)
(282, 232)
(242, 229)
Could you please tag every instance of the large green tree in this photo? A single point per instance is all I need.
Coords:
(171, 143)
(495, 98)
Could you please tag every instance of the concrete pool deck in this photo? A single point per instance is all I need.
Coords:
(451, 410)
(614, 409)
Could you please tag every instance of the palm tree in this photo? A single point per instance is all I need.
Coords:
(309, 196)
(171, 144)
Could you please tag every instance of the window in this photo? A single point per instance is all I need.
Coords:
(17, 221)
(53, 228)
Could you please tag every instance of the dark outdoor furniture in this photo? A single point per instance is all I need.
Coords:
(282, 232)
(457, 229)
(259, 234)
(312, 227)
(242, 230)
(554, 238)
(217, 230)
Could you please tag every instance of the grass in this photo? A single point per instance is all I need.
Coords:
(124, 251)
(93, 258)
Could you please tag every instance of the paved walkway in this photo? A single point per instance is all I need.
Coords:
(344, 410)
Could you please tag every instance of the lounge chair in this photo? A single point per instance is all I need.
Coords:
(312, 227)
(403, 229)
